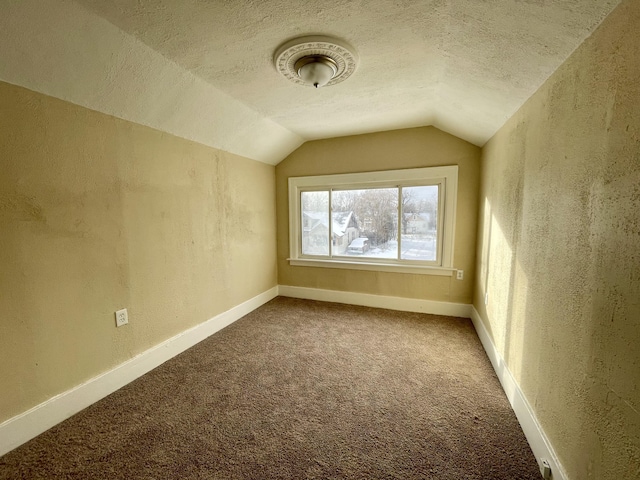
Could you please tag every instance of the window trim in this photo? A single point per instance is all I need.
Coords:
(447, 175)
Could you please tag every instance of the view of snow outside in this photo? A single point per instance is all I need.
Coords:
(372, 214)
(315, 223)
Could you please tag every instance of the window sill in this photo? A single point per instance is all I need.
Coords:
(378, 267)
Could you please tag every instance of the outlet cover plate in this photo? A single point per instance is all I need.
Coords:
(122, 318)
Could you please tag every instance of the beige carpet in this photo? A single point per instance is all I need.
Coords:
(300, 390)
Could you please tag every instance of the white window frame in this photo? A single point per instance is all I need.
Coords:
(446, 177)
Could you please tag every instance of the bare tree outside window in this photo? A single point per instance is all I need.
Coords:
(419, 223)
(371, 214)
(394, 220)
(376, 214)
(315, 223)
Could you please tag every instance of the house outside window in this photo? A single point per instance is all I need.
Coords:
(400, 220)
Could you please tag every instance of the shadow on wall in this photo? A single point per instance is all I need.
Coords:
(558, 248)
(559, 262)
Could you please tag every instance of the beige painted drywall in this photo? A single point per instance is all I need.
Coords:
(98, 214)
(559, 252)
(397, 149)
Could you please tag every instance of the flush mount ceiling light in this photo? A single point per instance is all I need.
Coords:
(315, 61)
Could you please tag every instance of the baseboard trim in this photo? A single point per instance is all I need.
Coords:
(25, 426)
(378, 301)
(536, 437)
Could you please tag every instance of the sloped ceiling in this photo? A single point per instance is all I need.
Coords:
(204, 70)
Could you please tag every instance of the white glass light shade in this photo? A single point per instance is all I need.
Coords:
(337, 59)
(316, 70)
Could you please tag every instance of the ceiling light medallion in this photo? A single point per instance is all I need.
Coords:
(316, 61)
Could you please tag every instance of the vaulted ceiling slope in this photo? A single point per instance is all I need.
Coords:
(203, 70)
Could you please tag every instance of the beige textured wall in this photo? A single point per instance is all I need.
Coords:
(409, 148)
(98, 214)
(559, 251)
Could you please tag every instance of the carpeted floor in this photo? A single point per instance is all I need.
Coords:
(300, 390)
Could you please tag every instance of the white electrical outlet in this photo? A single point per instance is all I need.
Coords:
(122, 318)
(545, 470)
(459, 274)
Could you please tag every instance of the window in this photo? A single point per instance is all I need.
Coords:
(400, 220)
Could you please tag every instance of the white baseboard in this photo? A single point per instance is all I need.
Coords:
(378, 301)
(536, 437)
(25, 426)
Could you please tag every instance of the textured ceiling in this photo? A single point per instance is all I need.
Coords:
(462, 66)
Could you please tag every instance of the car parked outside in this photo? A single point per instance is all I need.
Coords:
(359, 245)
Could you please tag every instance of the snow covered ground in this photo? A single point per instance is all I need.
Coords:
(414, 247)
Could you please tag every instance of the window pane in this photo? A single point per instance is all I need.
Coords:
(365, 222)
(315, 223)
(419, 223)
